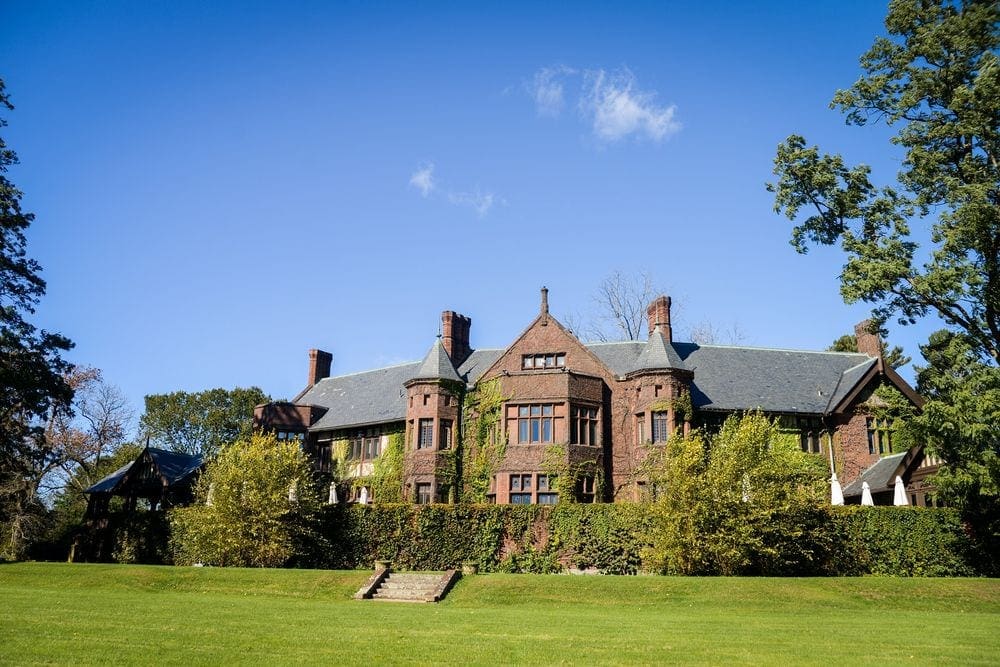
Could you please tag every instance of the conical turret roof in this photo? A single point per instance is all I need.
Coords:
(437, 365)
(658, 354)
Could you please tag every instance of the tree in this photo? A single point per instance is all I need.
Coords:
(937, 79)
(200, 422)
(619, 308)
(849, 343)
(708, 333)
(748, 501)
(80, 441)
(32, 383)
(254, 503)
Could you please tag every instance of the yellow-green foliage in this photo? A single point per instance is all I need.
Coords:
(338, 458)
(386, 479)
(483, 447)
(251, 521)
(746, 503)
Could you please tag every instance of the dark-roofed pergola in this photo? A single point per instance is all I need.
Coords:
(161, 477)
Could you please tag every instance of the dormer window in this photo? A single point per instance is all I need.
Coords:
(547, 360)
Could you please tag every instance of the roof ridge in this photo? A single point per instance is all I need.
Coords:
(370, 370)
(776, 349)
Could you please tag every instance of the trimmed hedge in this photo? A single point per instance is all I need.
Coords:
(611, 538)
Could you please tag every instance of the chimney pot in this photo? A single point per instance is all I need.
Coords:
(455, 336)
(658, 315)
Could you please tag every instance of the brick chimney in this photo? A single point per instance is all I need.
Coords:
(868, 340)
(658, 315)
(319, 365)
(455, 336)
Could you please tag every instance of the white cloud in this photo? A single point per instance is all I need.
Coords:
(617, 108)
(481, 202)
(423, 179)
(547, 89)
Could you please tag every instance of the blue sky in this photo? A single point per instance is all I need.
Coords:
(220, 187)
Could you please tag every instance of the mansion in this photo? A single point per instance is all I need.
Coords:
(598, 408)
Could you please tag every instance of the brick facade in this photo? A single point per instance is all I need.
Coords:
(559, 392)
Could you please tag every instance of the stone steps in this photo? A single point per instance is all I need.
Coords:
(408, 586)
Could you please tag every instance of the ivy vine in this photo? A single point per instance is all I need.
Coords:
(564, 476)
(483, 447)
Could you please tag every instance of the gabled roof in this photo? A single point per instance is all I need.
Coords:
(658, 353)
(437, 365)
(173, 467)
(377, 396)
(880, 476)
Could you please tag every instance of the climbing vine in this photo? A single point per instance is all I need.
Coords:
(386, 479)
(888, 404)
(483, 446)
(565, 476)
(681, 405)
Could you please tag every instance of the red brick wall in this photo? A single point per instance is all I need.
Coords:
(584, 380)
(428, 400)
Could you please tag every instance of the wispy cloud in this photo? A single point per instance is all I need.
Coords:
(617, 108)
(611, 103)
(478, 200)
(423, 179)
(547, 89)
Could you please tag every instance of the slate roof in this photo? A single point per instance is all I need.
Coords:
(437, 365)
(374, 397)
(744, 378)
(658, 353)
(880, 476)
(174, 467)
(725, 378)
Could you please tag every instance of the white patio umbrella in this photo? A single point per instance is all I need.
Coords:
(899, 495)
(363, 497)
(836, 492)
(866, 495)
(333, 494)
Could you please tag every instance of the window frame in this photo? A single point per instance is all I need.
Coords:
(425, 433)
(584, 425)
(659, 427)
(536, 423)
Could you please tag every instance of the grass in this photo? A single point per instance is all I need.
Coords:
(61, 613)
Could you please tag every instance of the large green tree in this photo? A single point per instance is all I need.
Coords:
(200, 422)
(32, 383)
(254, 503)
(929, 244)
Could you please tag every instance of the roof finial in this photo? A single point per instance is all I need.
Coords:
(545, 300)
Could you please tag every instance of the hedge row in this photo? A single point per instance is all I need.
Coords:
(612, 539)
(609, 538)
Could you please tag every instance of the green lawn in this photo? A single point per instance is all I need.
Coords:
(59, 613)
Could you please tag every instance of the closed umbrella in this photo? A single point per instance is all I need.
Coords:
(363, 498)
(333, 494)
(836, 492)
(899, 496)
(866, 495)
